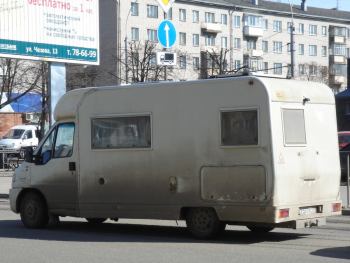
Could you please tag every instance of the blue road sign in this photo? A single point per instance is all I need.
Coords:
(167, 34)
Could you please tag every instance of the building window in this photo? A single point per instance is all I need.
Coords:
(302, 70)
(251, 44)
(312, 70)
(153, 59)
(289, 27)
(324, 51)
(294, 126)
(265, 46)
(301, 49)
(135, 34)
(277, 47)
(266, 67)
(224, 42)
(182, 62)
(277, 26)
(224, 19)
(237, 21)
(239, 127)
(301, 29)
(253, 21)
(312, 50)
(196, 63)
(169, 15)
(237, 64)
(324, 31)
(195, 40)
(312, 30)
(195, 16)
(182, 37)
(182, 15)
(134, 9)
(338, 49)
(265, 24)
(237, 43)
(277, 68)
(210, 40)
(152, 11)
(121, 132)
(209, 17)
(152, 35)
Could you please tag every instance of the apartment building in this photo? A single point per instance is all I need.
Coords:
(238, 33)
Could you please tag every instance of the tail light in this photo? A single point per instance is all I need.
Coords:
(283, 213)
(336, 207)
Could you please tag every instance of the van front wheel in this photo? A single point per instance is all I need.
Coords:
(203, 223)
(33, 211)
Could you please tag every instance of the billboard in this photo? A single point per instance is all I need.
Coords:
(61, 31)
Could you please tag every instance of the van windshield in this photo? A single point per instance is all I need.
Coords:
(14, 134)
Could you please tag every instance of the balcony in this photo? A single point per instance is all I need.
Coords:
(211, 27)
(210, 49)
(337, 59)
(338, 40)
(250, 31)
(254, 53)
(336, 80)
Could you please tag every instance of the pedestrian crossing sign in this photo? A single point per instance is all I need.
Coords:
(166, 4)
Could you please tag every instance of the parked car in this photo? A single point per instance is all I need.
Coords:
(344, 138)
(344, 152)
(19, 137)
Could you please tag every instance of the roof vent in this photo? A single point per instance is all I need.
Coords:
(303, 5)
(255, 2)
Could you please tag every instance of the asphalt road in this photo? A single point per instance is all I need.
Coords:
(163, 241)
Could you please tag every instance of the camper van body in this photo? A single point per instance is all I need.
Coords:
(256, 151)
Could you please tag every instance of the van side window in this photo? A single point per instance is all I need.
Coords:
(64, 140)
(28, 134)
(294, 126)
(121, 132)
(46, 148)
(239, 128)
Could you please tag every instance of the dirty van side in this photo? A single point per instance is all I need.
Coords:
(208, 152)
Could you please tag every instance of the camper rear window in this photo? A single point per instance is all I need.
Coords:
(239, 128)
(294, 126)
(121, 132)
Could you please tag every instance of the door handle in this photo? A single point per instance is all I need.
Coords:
(72, 166)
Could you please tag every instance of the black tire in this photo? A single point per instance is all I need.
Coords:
(203, 223)
(260, 229)
(33, 211)
(95, 221)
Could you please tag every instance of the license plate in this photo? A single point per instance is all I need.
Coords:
(307, 211)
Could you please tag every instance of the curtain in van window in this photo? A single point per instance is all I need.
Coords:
(121, 132)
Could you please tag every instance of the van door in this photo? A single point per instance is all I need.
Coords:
(54, 172)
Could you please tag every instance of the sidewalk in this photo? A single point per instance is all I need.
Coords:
(5, 183)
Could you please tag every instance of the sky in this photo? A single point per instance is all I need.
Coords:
(343, 4)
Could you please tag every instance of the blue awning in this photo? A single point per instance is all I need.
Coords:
(31, 102)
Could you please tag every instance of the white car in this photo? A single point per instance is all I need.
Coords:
(20, 136)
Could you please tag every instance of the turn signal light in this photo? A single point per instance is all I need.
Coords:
(283, 213)
(336, 207)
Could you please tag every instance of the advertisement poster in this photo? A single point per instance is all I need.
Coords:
(61, 31)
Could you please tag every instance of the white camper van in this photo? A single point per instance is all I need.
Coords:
(259, 152)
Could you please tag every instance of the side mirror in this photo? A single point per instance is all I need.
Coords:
(28, 154)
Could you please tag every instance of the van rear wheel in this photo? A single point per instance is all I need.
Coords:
(96, 221)
(203, 223)
(33, 211)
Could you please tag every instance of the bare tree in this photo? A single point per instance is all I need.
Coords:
(18, 77)
(214, 62)
(315, 72)
(141, 62)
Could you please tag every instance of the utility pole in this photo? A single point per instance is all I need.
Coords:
(292, 50)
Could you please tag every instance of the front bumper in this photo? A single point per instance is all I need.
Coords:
(14, 193)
